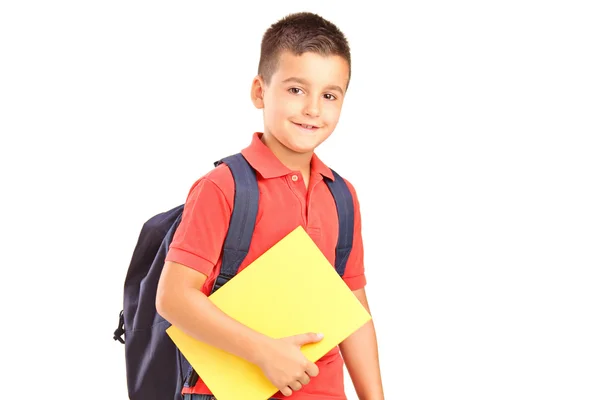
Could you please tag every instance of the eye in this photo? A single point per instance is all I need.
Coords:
(329, 96)
(295, 90)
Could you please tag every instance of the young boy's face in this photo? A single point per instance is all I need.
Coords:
(303, 101)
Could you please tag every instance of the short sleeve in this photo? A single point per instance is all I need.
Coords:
(354, 275)
(199, 239)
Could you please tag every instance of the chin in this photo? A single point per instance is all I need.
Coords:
(303, 146)
(303, 150)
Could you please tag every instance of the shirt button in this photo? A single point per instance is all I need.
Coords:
(294, 178)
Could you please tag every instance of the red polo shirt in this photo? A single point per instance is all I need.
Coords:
(284, 204)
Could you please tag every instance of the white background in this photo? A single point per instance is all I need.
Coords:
(470, 130)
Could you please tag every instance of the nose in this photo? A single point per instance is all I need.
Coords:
(312, 108)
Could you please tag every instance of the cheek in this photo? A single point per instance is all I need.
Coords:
(277, 115)
(277, 109)
(271, 114)
(332, 115)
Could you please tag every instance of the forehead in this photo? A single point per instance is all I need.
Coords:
(314, 68)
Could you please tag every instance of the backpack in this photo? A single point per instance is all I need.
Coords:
(155, 367)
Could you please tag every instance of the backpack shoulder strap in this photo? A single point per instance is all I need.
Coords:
(243, 217)
(245, 210)
(345, 210)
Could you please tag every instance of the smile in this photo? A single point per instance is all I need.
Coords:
(306, 127)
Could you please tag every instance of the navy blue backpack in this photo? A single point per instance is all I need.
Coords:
(156, 370)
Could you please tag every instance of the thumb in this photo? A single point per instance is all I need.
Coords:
(306, 338)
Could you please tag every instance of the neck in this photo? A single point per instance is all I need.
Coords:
(294, 161)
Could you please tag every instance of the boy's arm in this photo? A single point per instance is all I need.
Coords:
(361, 357)
(181, 302)
(193, 255)
(359, 350)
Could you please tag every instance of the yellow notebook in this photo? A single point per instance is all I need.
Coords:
(290, 289)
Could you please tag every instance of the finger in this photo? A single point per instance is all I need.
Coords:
(295, 385)
(306, 338)
(286, 391)
(312, 370)
(304, 379)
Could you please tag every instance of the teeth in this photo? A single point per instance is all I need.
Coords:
(307, 126)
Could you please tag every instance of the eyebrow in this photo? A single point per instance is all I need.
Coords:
(305, 82)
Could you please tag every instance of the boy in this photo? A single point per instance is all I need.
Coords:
(303, 75)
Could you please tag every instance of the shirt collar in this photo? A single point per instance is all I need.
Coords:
(262, 159)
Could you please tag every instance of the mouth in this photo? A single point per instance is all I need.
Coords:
(306, 127)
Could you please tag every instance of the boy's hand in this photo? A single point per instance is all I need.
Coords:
(286, 366)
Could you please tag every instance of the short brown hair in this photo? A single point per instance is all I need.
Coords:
(300, 33)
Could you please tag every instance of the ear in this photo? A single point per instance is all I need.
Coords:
(257, 92)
